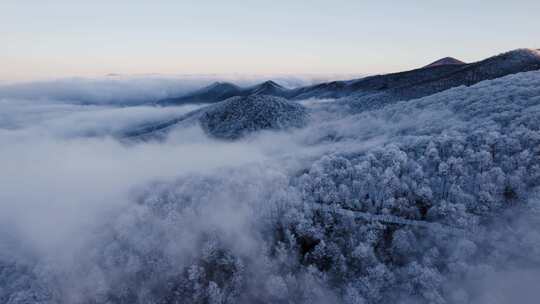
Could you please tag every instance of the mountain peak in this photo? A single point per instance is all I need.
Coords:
(270, 84)
(445, 61)
(267, 88)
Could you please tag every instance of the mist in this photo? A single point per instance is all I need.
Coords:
(88, 216)
(141, 89)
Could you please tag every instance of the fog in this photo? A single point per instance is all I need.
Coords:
(61, 167)
(90, 217)
(140, 89)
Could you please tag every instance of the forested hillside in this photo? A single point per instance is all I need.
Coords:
(432, 200)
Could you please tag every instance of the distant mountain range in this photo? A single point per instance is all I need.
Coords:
(438, 76)
(233, 118)
(219, 91)
(265, 106)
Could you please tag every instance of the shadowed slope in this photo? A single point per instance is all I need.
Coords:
(438, 76)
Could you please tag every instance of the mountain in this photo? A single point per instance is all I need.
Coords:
(427, 80)
(240, 116)
(220, 91)
(521, 60)
(267, 88)
(232, 118)
(373, 84)
(438, 76)
(445, 61)
(215, 92)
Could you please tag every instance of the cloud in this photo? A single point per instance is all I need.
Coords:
(105, 90)
(56, 186)
(136, 90)
(93, 218)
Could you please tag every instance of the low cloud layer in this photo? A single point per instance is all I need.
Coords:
(136, 90)
(88, 218)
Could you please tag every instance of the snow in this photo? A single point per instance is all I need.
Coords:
(239, 116)
(348, 203)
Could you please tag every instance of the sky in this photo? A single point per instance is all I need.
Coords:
(48, 39)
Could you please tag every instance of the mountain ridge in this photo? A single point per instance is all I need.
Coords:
(440, 75)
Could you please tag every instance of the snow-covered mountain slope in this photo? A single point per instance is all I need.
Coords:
(517, 61)
(346, 209)
(465, 158)
(232, 118)
(435, 77)
(498, 66)
(239, 116)
(430, 80)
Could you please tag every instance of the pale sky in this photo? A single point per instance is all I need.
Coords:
(63, 38)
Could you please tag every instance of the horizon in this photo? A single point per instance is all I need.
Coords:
(290, 80)
(64, 39)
